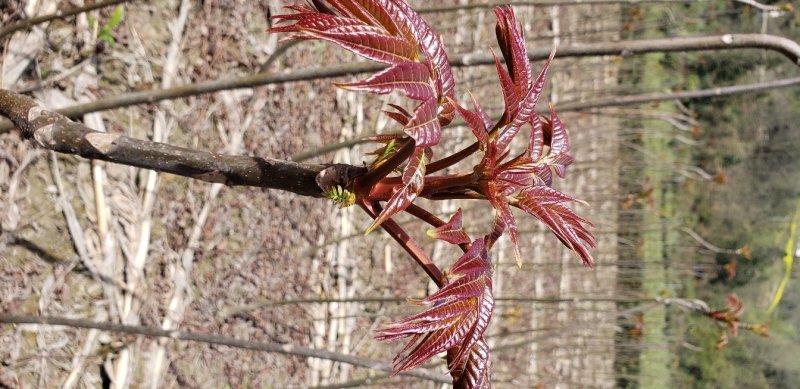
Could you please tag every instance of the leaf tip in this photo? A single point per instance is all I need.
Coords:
(372, 226)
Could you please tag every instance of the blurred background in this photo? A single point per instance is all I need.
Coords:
(693, 200)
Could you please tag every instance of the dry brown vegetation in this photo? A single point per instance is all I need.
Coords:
(113, 243)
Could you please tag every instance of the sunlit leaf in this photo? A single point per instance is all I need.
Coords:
(367, 41)
(475, 373)
(413, 179)
(401, 116)
(512, 45)
(457, 320)
(536, 141)
(391, 32)
(432, 47)
(477, 121)
(410, 77)
(424, 127)
(547, 205)
(526, 108)
(451, 232)
(510, 95)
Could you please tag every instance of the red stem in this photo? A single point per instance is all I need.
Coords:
(424, 215)
(384, 189)
(452, 159)
(409, 244)
(467, 151)
(468, 195)
(437, 184)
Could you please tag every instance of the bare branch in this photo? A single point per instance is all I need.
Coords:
(708, 245)
(61, 14)
(787, 47)
(270, 347)
(55, 132)
(685, 95)
(762, 7)
(265, 303)
(544, 3)
(615, 101)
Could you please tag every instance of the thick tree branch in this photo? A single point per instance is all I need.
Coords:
(782, 45)
(56, 132)
(61, 14)
(270, 347)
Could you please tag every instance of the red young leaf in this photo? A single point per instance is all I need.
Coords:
(451, 232)
(458, 318)
(413, 179)
(510, 95)
(411, 77)
(543, 175)
(432, 47)
(387, 31)
(526, 108)
(424, 127)
(524, 180)
(559, 157)
(401, 116)
(731, 315)
(478, 121)
(547, 205)
(504, 214)
(367, 41)
(475, 374)
(487, 120)
(374, 16)
(536, 141)
(512, 44)
(385, 138)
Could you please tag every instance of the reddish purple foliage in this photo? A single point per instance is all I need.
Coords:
(390, 32)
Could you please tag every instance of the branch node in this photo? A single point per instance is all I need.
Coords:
(44, 135)
(215, 176)
(35, 112)
(104, 143)
(338, 175)
(727, 39)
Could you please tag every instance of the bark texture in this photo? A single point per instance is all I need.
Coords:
(54, 131)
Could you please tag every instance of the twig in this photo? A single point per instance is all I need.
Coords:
(55, 132)
(306, 155)
(686, 95)
(271, 347)
(543, 3)
(645, 98)
(539, 300)
(61, 14)
(409, 245)
(762, 7)
(787, 47)
(708, 244)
